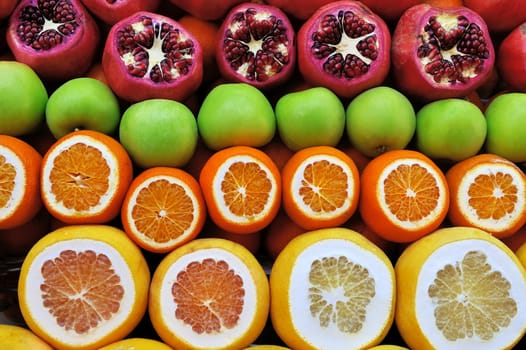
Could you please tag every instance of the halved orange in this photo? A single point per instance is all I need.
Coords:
(487, 192)
(403, 196)
(321, 187)
(83, 286)
(460, 288)
(85, 176)
(163, 209)
(137, 344)
(242, 189)
(332, 289)
(19, 182)
(210, 293)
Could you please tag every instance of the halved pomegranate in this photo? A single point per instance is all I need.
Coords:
(441, 52)
(57, 38)
(511, 59)
(256, 46)
(148, 55)
(112, 11)
(344, 46)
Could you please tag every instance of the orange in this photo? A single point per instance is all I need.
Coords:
(331, 289)
(85, 176)
(403, 196)
(83, 286)
(16, 241)
(210, 293)
(488, 192)
(19, 182)
(444, 3)
(251, 241)
(460, 288)
(13, 337)
(163, 209)
(321, 187)
(137, 344)
(242, 189)
(516, 240)
(388, 347)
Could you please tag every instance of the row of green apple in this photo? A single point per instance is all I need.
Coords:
(165, 132)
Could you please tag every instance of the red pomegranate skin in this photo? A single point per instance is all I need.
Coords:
(299, 9)
(262, 51)
(206, 9)
(112, 11)
(134, 73)
(501, 16)
(6, 7)
(319, 64)
(424, 72)
(390, 11)
(511, 59)
(70, 58)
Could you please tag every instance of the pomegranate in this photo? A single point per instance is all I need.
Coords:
(511, 59)
(205, 9)
(256, 46)
(6, 7)
(344, 46)
(299, 9)
(441, 52)
(57, 38)
(148, 55)
(500, 15)
(112, 11)
(390, 10)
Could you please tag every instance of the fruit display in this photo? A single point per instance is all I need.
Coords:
(262, 174)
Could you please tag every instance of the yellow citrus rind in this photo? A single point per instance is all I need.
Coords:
(137, 344)
(330, 288)
(178, 332)
(460, 288)
(127, 262)
(15, 337)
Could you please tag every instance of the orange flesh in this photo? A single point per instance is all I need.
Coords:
(80, 289)
(493, 196)
(7, 183)
(163, 211)
(209, 296)
(79, 177)
(411, 192)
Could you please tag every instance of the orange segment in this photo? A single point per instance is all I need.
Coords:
(460, 287)
(330, 288)
(404, 195)
(85, 176)
(83, 286)
(163, 209)
(321, 186)
(488, 192)
(210, 293)
(242, 189)
(19, 182)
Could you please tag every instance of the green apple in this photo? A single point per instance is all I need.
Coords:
(506, 120)
(380, 119)
(236, 114)
(311, 117)
(82, 103)
(450, 129)
(159, 132)
(23, 99)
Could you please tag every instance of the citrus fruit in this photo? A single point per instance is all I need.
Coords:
(321, 187)
(460, 288)
(403, 195)
(163, 209)
(489, 192)
(280, 232)
(137, 344)
(15, 337)
(83, 286)
(210, 293)
(388, 347)
(330, 288)
(266, 347)
(19, 182)
(242, 189)
(85, 176)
